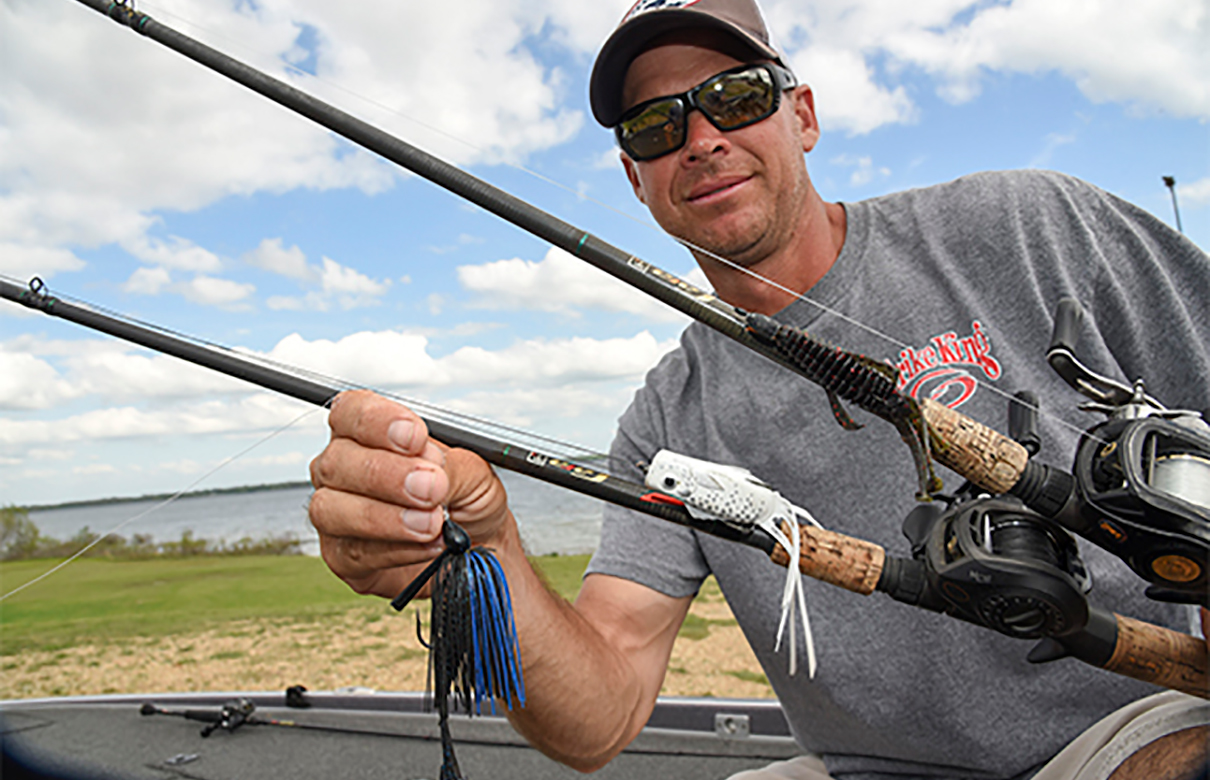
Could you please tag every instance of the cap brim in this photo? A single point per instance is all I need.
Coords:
(631, 38)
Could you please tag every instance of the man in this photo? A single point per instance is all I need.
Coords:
(966, 275)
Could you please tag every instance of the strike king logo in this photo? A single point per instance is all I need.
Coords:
(942, 369)
(642, 6)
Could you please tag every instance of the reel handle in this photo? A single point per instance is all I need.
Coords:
(1069, 315)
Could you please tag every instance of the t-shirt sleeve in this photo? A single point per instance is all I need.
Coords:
(662, 555)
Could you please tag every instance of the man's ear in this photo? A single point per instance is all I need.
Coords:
(632, 174)
(804, 109)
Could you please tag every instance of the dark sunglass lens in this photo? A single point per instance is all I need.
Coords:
(656, 130)
(736, 99)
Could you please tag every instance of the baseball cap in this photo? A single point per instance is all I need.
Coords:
(650, 18)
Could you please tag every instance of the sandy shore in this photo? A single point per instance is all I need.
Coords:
(369, 646)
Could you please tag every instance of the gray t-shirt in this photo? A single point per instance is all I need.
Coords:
(956, 285)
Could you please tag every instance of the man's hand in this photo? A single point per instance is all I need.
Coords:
(380, 486)
(592, 672)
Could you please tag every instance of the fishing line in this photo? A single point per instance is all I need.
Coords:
(223, 464)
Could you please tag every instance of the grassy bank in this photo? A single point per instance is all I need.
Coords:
(101, 600)
(265, 623)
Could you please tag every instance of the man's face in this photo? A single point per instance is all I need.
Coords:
(739, 193)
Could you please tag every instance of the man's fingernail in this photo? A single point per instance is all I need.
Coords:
(401, 433)
(434, 454)
(419, 484)
(420, 521)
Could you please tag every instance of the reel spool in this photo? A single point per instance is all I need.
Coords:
(1144, 486)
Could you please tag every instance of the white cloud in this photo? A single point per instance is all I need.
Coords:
(253, 414)
(341, 285)
(847, 96)
(863, 168)
(383, 359)
(557, 362)
(530, 407)
(86, 160)
(148, 281)
(284, 459)
(38, 374)
(175, 252)
(351, 288)
(203, 401)
(132, 374)
(272, 256)
(558, 283)
(390, 359)
(608, 160)
(290, 303)
(24, 262)
(213, 291)
(26, 382)
(1195, 194)
(1152, 56)
(1053, 142)
(201, 289)
(94, 469)
(38, 453)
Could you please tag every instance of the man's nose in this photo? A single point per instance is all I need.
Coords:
(702, 139)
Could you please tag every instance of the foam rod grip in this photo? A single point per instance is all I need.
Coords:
(834, 558)
(986, 457)
(1160, 655)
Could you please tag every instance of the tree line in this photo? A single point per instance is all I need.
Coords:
(21, 539)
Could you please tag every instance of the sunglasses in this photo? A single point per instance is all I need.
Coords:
(730, 100)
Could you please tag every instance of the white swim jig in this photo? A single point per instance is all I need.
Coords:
(734, 496)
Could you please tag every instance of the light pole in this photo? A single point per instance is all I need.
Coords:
(1170, 183)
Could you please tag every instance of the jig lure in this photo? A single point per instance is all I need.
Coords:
(473, 649)
(732, 495)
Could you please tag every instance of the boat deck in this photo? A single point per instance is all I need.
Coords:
(373, 735)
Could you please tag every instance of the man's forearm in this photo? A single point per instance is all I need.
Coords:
(583, 698)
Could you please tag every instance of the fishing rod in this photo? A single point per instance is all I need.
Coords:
(508, 455)
(1178, 565)
(1118, 644)
(930, 430)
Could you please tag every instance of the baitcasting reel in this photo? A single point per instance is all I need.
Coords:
(993, 562)
(1140, 484)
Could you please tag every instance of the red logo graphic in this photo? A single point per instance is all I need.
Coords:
(942, 369)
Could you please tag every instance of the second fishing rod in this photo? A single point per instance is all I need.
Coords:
(1014, 585)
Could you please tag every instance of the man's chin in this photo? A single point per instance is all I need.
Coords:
(744, 251)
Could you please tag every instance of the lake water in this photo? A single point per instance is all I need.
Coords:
(552, 520)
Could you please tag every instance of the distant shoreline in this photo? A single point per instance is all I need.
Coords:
(164, 496)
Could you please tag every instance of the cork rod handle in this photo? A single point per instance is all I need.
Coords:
(851, 563)
(985, 456)
(1141, 651)
(1159, 655)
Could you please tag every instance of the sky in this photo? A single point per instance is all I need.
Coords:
(143, 183)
